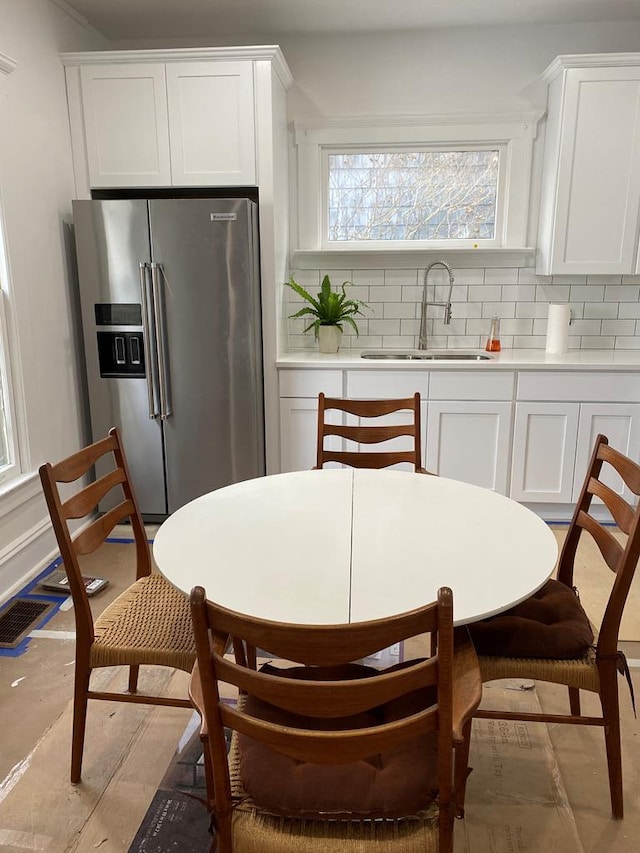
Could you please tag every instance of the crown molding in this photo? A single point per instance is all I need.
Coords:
(589, 60)
(270, 53)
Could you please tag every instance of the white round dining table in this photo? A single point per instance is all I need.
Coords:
(349, 545)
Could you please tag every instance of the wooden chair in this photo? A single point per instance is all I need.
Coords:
(370, 434)
(597, 668)
(150, 622)
(318, 749)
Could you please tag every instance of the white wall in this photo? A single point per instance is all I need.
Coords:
(440, 71)
(36, 188)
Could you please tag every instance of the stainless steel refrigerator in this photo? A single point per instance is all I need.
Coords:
(170, 298)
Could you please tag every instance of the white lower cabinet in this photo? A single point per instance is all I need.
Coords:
(620, 422)
(470, 441)
(544, 451)
(298, 433)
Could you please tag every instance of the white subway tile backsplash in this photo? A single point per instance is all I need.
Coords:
(516, 327)
(386, 293)
(605, 310)
(506, 275)
(628, 343)
(384, 327)
(532, 309)
(365, 278)
(618, 327)
(552, 293)
(470, 276)
(597, 342)
(587, 293)
(600, 310)
(485, 293)
(629, 310)
(622, 293)
(518, 292)
(400, 310)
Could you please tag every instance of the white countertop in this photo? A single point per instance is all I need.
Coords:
(512, 359)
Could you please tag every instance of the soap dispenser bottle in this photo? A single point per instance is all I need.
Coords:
(493, 341)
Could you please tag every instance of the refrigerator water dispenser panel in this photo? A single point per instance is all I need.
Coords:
(121, 354)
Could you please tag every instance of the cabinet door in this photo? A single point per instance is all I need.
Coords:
(298, 433)
(544, 451)
(620, 422)
(595, 173)
(470, 441)
(211, 123)
(125, 116)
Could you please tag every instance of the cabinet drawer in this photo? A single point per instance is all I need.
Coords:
(309, 383)
(579, 386)
(386, 384)
(470, 385)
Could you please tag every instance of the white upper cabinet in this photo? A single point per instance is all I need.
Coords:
(178, 121)
(211, 123)
(590, 202)
(125, 123)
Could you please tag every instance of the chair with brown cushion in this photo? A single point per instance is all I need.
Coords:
(328, 755)
(549, 636)
(150, 622)
(370, 433)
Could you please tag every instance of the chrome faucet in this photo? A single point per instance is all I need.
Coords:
(422, 339)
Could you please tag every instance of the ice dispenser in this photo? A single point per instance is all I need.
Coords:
(120, 350)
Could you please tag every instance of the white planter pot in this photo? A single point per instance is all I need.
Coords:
(329, 338)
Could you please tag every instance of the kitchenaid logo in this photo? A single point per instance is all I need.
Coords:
(222, 217)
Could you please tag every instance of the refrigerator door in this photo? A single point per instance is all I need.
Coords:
(207, 283)
(112, 240)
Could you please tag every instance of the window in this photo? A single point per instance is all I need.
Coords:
(413, 195)
(8, 466)
(420, 183)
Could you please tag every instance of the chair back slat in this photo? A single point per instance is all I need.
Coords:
(620, 510)
(328, 698)
(610, 548)
(323, 645)
(370, 433)
(335, 746)
(369, 408)
(368, 460)
(80, 463)
(87, 499)
(88, 540)
(626, 468)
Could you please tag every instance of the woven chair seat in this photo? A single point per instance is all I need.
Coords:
(579, 672)
(257, 831)
(149, 623)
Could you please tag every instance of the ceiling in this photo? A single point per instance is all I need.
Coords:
(145, 19)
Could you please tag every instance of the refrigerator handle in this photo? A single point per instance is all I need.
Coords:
(146, 336)
(161, 340)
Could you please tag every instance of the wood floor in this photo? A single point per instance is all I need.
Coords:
(129, 748)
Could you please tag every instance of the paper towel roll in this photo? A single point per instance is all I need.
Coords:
(558, 327)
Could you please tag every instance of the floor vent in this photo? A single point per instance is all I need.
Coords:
(18, 619)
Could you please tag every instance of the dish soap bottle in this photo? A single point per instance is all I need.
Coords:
(493, 341)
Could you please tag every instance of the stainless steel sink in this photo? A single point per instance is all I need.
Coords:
(418, 355)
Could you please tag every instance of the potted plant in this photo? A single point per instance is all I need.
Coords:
(330, 310)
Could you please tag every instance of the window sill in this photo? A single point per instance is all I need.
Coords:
(410, 258)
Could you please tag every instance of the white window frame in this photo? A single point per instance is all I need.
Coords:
(13, 468)
(337, 245)
(513, 135)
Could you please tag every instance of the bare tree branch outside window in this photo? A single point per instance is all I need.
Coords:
(424, 195)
